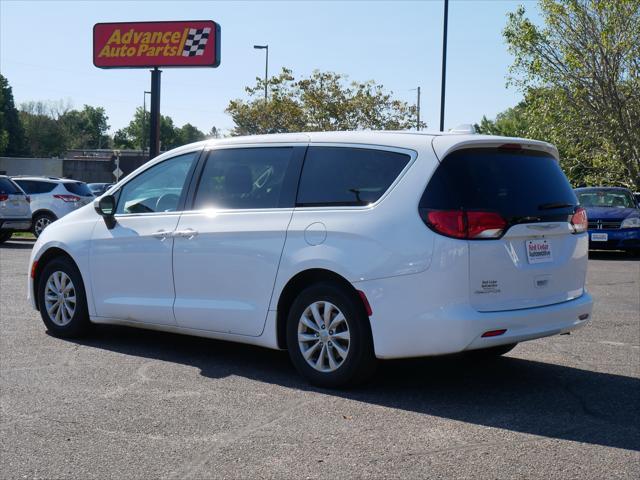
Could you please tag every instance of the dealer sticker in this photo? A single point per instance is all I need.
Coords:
(539, 251)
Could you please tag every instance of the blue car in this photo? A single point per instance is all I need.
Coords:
(614, 218)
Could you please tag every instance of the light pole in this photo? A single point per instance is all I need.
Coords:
(444, 63)
(144, 120)
(266, 67)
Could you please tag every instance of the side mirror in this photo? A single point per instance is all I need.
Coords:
(106, 207)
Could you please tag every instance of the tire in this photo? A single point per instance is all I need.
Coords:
(492, 352)
(55, 277)
(4, 236)
(42, 221)
(351, 335)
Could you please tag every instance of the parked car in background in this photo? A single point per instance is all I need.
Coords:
(99, 188)
(341, 247)
(52, 198)
(15, 212)
(614, 218)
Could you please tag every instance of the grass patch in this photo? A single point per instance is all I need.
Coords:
(24, 235)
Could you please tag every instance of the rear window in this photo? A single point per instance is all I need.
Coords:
(78, 188)
(8, 187)
(343, 176)
(33, 186)
(518, 184)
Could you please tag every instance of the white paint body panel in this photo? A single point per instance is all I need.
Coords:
(229, 277)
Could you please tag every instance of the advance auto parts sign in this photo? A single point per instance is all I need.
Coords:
(156, 44)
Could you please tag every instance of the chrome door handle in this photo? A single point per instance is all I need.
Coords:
(188, 233)
(161, 235)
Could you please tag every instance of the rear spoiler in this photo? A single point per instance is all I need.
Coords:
(443, 145)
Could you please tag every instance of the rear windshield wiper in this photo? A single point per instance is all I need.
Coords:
(551, 206)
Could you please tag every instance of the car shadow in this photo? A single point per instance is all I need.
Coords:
(18, 244)
(526, 396)
(614, 255)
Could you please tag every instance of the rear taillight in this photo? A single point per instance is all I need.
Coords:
(579, 221)
(3, 197)
(67, 198)
(462, 224)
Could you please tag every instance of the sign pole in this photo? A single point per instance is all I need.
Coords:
(444, 63)
(154, 143)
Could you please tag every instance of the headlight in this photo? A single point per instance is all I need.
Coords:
(632, 222)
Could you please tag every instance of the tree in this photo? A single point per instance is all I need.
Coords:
(324, 101)
(12, 141)
(86, 128)
(188, 134)
(580, 74)
(44, 133)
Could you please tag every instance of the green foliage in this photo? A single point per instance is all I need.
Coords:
(136, 134)
(324, 101)
(580, 74)
(12, 142)
(86, 128)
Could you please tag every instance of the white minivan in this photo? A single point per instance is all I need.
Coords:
(341, 247)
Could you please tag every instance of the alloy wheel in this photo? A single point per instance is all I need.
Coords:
(60, 298)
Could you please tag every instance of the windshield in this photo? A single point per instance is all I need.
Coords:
(606, 198)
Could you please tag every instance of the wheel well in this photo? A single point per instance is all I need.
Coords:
(44, 211)
(298, 283)
(45, 258)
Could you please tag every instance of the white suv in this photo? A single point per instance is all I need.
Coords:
(15, 214)
(341, 247)
(52, 198)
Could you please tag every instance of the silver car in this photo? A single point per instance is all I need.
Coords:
(52, 198)
(15, 212)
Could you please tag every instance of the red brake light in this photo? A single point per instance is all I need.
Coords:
(67, 198)
(470, 225)
(4, 197)
(579, 220)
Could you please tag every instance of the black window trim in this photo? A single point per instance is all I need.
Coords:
(290, 182)
(361, 146)
(183, 196)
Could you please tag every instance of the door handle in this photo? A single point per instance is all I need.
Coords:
(160, 235)
(189, 233)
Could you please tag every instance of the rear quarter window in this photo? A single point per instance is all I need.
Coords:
(78, 188)
(345, 176)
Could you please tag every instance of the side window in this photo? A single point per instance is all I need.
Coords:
(157, 189)
(27, 186)
(245, 178)
(344, 176)
(33, 186)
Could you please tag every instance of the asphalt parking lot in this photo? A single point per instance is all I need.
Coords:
(127, 403)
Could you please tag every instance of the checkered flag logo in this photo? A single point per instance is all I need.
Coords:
(196, 42)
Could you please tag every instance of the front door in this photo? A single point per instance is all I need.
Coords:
(227, 249)
(131, 269)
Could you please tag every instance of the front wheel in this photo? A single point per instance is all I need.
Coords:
(62, 299)
(329, 337)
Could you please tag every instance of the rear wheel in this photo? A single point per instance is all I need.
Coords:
(329, 338)
(42, 221)
(4, 236)
(492, 352)
(62, 299)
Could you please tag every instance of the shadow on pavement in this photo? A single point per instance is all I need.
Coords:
(18, 244)
(613, 255)
(524, 396)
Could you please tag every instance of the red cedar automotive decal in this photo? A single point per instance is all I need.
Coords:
(156, 44)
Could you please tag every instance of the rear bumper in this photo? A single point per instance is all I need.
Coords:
(408, 321)
(15, 224)
(619, 239)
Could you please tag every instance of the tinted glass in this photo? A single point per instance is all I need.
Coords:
(244, 178)
(78, 188)
(347, 176)
(514, 183)
(34, 186)
(157, 189)
(8, 187)
(606, 198)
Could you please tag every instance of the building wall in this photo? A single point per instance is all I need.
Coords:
(48, 167)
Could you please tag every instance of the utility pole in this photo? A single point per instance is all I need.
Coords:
(154, 145)
(444, 63)
(266, 67)
(418, 110)
(144, 121)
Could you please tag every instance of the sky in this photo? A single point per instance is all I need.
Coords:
(46, 53)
